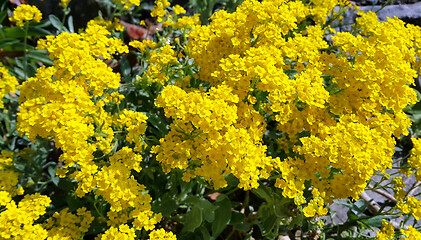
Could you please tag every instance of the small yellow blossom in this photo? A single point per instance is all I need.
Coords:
(387, 232)
(122, 232)
(8, 83)
(410, 205)
(159, 9)
(161, 234)
(179, 10)
(128, 3)
(25, 12)
(64, 3)
(410, 233)
(64, 224)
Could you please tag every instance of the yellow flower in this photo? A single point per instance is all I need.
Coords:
(159, 9)
(179, 9)
(64, 3)
(410, 205)
(7, 83)
(128, 3)
(161, 234)
(387, 231)
(18, 219)
(410, 233)
(64, 224)
(121, 232)
(25, 12)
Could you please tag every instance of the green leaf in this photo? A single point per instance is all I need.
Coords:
(265, 209)
(156, 121)
(264, 193)
(17, 32)
(125, 68)
(70, 24)
(359, 207)
(8, 42)
(42, 24)
(67, 184)
(3, 15)
(375, 221)
(52, 171)
(237, 217)
(57, 23)
(222, 215)
(193, 219)
(268, 224)
(205, 233)
(37, 31)
(74, 203)
(281, 207)
(245, 226)
(352, 216)
(55, 180)
(40, 57)
(207, 207)
(167, 206)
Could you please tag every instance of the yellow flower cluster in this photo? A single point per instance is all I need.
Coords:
(64, 3)
(135, 124)
(158, 10)
(323, 8)
(8, 83)
(339, 110)
(18, 220)
(65, 225)
(410, 205)
(337, 106)
(124, 232)
(24, 13)
(141, 46)
(388, 60)
(159, 62)
(58, 102)
(415, 159)
(213, 134)
(399, 185)
(110, 25)
(187, 22)
(316, 205)
(161, 234)
(116, 184)
(410, 233)
(68, 102)
(121, 232)
(354, 149)
(8, 177)
(387, 231)
(127, 3)
(179, 10)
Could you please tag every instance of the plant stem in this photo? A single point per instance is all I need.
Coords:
(25, 40)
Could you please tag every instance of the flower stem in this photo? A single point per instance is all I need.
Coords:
(25, 44)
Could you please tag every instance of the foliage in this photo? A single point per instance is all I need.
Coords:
(221, 120)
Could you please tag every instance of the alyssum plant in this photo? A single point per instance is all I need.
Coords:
(245, 128)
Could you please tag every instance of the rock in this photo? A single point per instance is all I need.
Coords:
(409, 13)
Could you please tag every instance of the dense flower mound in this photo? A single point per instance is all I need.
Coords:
(268, 94)
(337, 109)
(66, 102)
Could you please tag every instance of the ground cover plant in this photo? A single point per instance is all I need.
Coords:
(212, 120)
